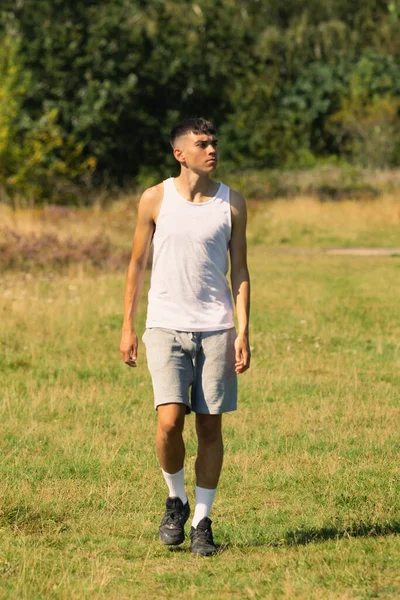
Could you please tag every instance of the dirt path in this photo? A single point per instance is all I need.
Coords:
(365, 251)
(340, 251)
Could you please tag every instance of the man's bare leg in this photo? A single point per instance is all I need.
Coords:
(210, 451)
(169, 440)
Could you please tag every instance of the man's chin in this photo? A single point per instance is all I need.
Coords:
(210, 168)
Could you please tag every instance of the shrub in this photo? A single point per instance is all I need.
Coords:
(46, 251)
(34, 153)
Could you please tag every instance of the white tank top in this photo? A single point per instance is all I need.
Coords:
(189, 290)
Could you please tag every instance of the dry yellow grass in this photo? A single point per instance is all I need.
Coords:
(299, 222)
(346, 214)
(307, 222)
(116, 222)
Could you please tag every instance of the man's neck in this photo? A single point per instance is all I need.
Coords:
(194, 187)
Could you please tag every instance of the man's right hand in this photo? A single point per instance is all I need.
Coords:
(128, 347)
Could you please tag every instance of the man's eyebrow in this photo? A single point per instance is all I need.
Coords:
(213, 141)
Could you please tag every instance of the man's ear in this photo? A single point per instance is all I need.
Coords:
(179, 154)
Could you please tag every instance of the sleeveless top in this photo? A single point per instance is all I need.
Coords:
(189, 290)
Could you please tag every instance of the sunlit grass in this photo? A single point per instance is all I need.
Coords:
(307, 222)
(308, 505)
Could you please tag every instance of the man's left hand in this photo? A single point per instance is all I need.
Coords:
(242, 353)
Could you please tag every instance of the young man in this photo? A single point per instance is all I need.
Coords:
(193, 351)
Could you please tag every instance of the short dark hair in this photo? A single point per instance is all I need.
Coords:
(194, 125)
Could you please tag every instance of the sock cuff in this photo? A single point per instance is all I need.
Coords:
(204, 501)
(176, 484)
(205, 491)
(177, 474)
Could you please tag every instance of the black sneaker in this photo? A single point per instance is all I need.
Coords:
(201, 538)
(172, 525)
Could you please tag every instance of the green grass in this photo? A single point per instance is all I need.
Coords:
(308, 504)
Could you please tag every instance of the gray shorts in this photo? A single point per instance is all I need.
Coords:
(202, 361)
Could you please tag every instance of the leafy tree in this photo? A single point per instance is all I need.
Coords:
(33, 152)
(99, 84)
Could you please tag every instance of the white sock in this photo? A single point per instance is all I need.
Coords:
(176, 484)
(204, 500)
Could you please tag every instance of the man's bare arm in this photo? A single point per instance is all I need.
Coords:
(148, 207)
(240, 280)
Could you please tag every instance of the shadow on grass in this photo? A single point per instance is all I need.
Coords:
(309, 535)
(179, 549)
(314, 535)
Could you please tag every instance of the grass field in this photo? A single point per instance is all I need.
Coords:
(309, 500)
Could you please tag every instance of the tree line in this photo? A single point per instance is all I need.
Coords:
(90, 90)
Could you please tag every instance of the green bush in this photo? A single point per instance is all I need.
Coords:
(368, 133)
(367, 127)
(35, 155)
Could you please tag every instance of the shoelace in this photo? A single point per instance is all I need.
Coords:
(173, 517)
(205, 535)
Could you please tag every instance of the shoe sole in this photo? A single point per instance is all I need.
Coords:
(200, 553)
(167, 541)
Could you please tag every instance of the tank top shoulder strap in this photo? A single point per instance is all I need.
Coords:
(168, 203)
(224, 200)
(224, 193)
(168, 186)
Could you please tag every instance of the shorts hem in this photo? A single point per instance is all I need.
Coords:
(211, 412)
(173, 401)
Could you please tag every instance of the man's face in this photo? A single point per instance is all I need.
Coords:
(198, 151)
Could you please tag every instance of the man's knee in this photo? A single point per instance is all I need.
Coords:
(171, 419)
(208, 428)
